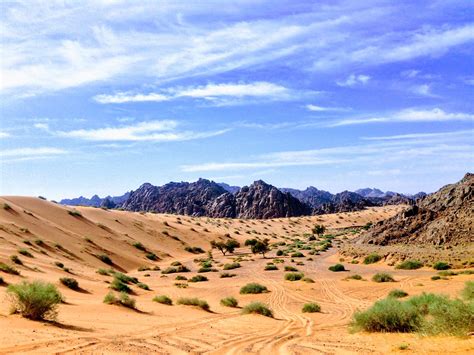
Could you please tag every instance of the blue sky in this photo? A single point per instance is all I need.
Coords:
(101, 96)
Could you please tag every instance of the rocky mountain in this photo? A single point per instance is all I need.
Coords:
(96, 201)
(444, 217)
(259, 200)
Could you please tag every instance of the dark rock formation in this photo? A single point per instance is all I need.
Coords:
(444, 217)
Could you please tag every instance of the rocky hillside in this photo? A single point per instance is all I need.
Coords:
(444, 217)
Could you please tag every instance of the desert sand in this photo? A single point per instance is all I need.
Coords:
(86, 325)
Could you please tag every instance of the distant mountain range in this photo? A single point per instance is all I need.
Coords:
(259, 200)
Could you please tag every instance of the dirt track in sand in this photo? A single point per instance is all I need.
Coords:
(87, 325)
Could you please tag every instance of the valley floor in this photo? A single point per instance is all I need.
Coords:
(86, 325)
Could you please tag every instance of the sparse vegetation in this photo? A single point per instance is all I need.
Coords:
(228, 246)
(257, 308)
(198, 278)
(294, 276)
(231, 266)
(441, 265)
(139, 246)
(383, 277)
(35, 300)
(25, 253)
(311, 308)
(397, 293)
(337, 268)
(163, 300)
(355, 277)
(227, 275)
(194, 302)
(194, 250)
(143, 286)
(271, 267)
(75, 213)
(372, 258)
(290, 268)
(468, 291)
(229, 302)
(8, 269)
(70, 283)
(15, 259)
(105, 259)
(253, 288)
(151, 256)
(123, 300)
(409, 265)
(119, 285)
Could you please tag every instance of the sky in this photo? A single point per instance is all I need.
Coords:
(102, 96)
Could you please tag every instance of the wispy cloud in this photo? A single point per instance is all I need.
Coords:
(408, 115)
(454, 147)
(155, 131)
(353, 80)
(316, 108)
(462, 133)
(423, 90)
(223, 93)
(27, 153)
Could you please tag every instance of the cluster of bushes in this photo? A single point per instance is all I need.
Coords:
(194, 302)
(426, 313)
(194, 250)
(122, 300)
(175, 269)
(253, 288)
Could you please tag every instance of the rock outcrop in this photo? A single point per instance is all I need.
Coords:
(444, 217)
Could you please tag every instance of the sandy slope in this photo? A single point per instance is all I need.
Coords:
(87, 325)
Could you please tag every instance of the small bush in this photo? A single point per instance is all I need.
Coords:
(257, 308)
(125, 278)
(388, 315)
(35, 300)
(105, 259)
(104, 272)
(441, 265)
(468, 291)
(120, 286)
(253, 288)
(308, 280)
(294, 276)
(181, 285)
(59, 264)
(227, 274)
(143, 286)
(151, 256)
(290, 268)
(445, 273)
(436, 277)
(16, 260)
(229, 302)
(271, 267)
(383, 277)
(194, 302)
(198, 278)
(194, 250)
(231, 266)
(206, 269)
(279, 252)
(171, 270)
(75, 213)
(123, 300)
(25, 253)
(297, 255)
(409, 265)
(139, 246)
(9, 269)
(397, 294)
(70, 283)
(355, 277)
(181, 278)
(337, 268)
(372, 258)
(163, 300)
(311, 308)
(2, 281)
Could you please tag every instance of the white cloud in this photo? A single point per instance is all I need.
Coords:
(408, 115)
(155, 131)
(4, 134)
(217, 93)
(423, 90)
(462, 133)
(31, 152)
(354, 79)
(316, 108)
(429, 148)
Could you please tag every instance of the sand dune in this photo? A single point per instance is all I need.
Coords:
(52, 234)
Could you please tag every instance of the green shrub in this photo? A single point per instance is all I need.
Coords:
(75, 213)
(16, 260)
(354, 277)
(59, 264)
(308, 280)
(294, 276)
(206, 269)
(120, 286)
(35, 300)
(139, 246)
(441, 265)
(229, 302)
(8, 269)
(290, 268)
(143, 286)
(105, 259)
(436, 277)
(123, 300)
(227, 274)
(337, 268)
(25, 253)
(388, 315)
(253, 288)
(151, 256)
(194, 302)
(198, 278)
(70, 282)
(104, 272)
(271, 267)
(181, 278)
(279, 252)
(257, 308)
(372, 258)
(231, 266)
(297, 255)
(311, 308)
(163, 300)
(468, 291)
(409, 265)
(171, 270)
(383, 277)
(397, 294)
(125, 278)
(447, 273)
(194, 250)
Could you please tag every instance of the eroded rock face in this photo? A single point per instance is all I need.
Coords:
(261, 200)
(444, 217)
